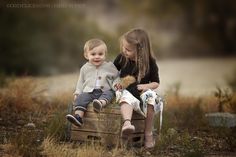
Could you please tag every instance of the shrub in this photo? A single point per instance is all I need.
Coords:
(17, 96)
(231, 81)
(56, 126)
(224, 97)
(232, 104)
(183, 112)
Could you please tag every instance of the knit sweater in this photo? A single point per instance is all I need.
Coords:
(89, 73)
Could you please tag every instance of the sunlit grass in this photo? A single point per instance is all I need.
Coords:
(18, 95)
(54, 149)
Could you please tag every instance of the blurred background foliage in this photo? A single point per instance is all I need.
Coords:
(47, 41)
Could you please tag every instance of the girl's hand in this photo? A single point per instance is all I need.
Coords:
(142, 87)
(145, 87)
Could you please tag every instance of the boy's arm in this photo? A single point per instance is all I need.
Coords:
(113, 78)
(79, 85)
(75, 96)
(116, 84)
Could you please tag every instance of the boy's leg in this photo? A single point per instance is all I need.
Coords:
(82, 101)
(107, 96)
(81, 104)
(103, 100)
(75, 119)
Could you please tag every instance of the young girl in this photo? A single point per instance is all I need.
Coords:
(136, 59)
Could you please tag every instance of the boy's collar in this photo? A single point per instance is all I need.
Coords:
(90, 64)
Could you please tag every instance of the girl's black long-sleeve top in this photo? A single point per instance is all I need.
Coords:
(131, 69)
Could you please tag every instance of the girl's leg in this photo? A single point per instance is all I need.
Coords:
(149, 141)
(126, 112)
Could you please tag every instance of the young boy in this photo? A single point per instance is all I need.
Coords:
(94, 81)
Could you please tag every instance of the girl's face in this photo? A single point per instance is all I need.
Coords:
(96, 56)
(129, 50)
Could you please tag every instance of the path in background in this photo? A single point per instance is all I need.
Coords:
(196, 76)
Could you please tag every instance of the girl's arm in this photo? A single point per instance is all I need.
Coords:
(154, 78)
(145, 87)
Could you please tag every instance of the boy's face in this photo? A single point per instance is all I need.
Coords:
(129, 50)
(96, 56)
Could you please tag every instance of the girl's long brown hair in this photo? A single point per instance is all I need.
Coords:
(139, 38)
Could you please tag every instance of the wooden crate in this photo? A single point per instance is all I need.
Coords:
(105, 127)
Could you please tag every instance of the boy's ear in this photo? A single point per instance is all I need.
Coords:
(85, 55)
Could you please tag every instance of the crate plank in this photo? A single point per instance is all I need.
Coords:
(109, 139)
(108, 126)
(100, 125)
(105, 127)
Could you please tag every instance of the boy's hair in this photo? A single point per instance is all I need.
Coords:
(139, 38)
(92, 43)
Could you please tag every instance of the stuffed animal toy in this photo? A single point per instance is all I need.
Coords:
(123, 84)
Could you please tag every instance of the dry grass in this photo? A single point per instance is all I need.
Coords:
(24, 95)
(183, 112)
(18, 95)
(62, 100)
(180, 112)
(232, 105)
(9, 150)
(207, 104)
(53, 149)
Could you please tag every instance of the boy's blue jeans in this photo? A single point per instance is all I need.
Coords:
(82, 101)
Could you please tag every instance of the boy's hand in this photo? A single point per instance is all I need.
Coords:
(75, 96)
(118, 87)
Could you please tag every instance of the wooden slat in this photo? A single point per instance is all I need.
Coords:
(103, 138)
(109, 139)
(139, 125)
(115, 109)
(111, 115)
(107, 126)
(100, 125)
(136, 140)
(112, 109)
